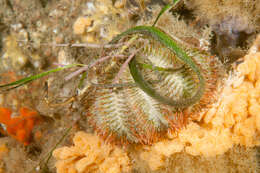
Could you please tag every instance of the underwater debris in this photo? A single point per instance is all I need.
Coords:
(20, 127)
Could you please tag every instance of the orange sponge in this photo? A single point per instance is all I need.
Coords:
(19, 127)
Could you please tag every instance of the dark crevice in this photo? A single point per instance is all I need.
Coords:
(3, 29)
(44, 3)
(185, 13)
(228, 48)
(34, 151)
(241, 40)
(9, 4)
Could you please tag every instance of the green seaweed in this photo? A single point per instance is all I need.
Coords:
(168, 42)
(164, 9)
(26, 80)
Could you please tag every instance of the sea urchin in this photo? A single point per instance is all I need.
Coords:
(172, 82)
